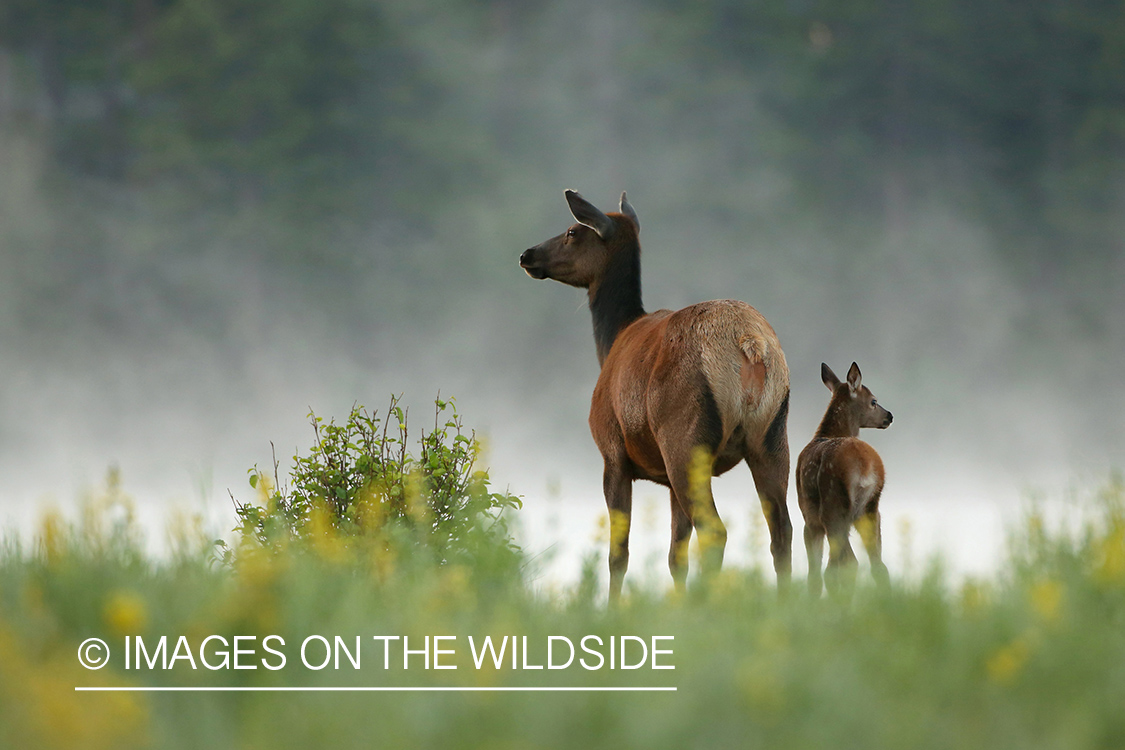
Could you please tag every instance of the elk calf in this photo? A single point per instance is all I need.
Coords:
(839, 480)
(682, 396)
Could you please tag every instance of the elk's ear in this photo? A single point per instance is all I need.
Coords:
(855, 379)
(628, 210)
(586, 214)
(828, 377)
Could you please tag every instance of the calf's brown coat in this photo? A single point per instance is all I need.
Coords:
(839, 483)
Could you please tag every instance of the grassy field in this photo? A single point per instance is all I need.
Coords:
(1031, 658)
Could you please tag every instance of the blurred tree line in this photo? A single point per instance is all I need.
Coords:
(247, 99)
(320, 106)
(885, 99)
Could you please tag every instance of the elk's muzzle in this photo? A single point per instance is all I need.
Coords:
(529, 264)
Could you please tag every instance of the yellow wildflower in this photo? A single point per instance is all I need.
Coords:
(52, 537)
(699, 473)
(763, 690)
(1110, 567)
(618, 528)
(40, 708)
(125, 614)
(974, 597)
(601, 533)
(1046, 599)
(326, 538)
(1006, 663)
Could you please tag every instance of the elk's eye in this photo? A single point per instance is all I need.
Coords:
(571, 232)
(874, 402)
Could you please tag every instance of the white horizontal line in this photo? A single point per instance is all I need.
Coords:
(359, 689)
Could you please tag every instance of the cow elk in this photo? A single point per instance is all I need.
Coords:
(839, 481)
(682, 396)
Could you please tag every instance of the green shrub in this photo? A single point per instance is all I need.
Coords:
(360, 481)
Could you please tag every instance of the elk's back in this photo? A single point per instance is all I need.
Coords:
(713, 373)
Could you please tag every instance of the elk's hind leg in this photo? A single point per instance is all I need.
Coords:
(814, 548)
(769, 463)
(681, 535)
(840, 575)
(691, 480)
(771, 479)
(868, 526)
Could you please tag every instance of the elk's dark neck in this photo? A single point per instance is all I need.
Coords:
(838, 421)
(615, 301)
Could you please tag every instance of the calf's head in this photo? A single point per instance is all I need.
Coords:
(861, 405)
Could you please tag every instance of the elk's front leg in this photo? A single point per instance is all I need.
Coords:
(618, 487)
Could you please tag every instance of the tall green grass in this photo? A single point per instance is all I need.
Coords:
(1033, 657)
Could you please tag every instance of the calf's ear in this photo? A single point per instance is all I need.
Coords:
(855, 379)
(828, 377)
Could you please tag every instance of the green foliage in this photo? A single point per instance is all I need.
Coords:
(1029, 658)
(360, 480)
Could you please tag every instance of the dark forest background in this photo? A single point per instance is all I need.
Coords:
(217, 213)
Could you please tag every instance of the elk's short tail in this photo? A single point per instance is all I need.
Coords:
(753, 370)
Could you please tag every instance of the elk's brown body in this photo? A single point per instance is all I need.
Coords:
(839, 483)
(702, 387)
